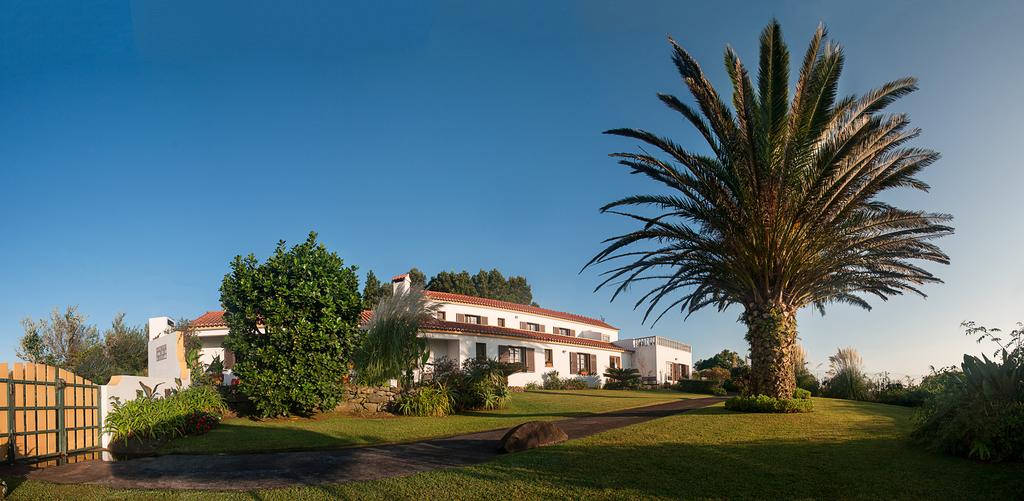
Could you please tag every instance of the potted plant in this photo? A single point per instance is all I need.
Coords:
(216, 371)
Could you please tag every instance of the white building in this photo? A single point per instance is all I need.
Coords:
(543, 340)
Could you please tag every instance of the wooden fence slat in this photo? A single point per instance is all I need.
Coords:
(4, 411)
(19, 415)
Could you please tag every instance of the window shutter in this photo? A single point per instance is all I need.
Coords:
(574, 366)
(530, 362)
(541, 328)
(522, 325)
(459, 317)
(503, 354)
(229, 359)
(481, 351)
(483, 320)
(572, 332)
(593, 364)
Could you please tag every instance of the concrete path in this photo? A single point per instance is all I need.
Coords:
(283, 469)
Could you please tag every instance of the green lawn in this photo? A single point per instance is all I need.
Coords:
(843, 450)
(335, 430)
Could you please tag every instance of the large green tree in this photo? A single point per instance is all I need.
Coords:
(784, 210)
(293, 326)
(726, 359)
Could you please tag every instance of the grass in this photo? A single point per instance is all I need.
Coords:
(333, 430)
(842, 450)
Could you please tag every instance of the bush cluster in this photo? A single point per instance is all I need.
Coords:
(978, 411)
(551, 381)
(622, 379)
(764, 403)
(428, 400)
(477, 385)
(801, 394)
(184, 411)
(707, 387)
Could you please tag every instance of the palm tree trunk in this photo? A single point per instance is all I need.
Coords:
(771, 332)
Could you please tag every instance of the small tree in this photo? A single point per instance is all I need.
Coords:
(293, 325)
(59, 340)
(392, 348)
(726, 359)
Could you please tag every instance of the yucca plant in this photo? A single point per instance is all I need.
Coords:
(784, 209)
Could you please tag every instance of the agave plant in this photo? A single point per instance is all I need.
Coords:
(783, 211)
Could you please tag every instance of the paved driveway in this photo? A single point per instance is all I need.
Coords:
(282, 469)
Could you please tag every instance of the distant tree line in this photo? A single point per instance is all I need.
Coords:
(488, 284)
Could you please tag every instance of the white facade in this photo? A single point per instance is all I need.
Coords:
(543, 340)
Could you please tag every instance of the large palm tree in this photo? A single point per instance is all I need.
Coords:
(783, 211)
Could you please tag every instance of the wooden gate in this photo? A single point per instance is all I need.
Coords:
(47, 415)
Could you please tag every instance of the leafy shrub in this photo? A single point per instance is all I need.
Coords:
(552, 381)
(719, 374)
(718, 391)
(622, 379)
(807, 381)
(153, 417)
(977, 412)
(739, 379)
(801, 394)
(764, 403)
(478, 385)
(980, 415)
(430, 400)
(533, 386)
(707, 387)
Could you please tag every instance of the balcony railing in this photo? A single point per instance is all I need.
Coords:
(660, 341)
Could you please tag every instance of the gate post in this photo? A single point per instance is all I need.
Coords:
(12, 449)
(62, 430)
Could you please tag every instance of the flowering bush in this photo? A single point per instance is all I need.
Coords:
(199, 422)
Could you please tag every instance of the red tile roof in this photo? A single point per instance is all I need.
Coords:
(210, 319)
(216, 319)
(505, 305)
(494, 330)
(398, 278)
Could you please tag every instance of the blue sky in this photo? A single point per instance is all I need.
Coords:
(144, 144)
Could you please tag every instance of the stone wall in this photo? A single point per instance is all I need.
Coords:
(368, 398)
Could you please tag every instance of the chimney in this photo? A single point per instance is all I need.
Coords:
(401, 284)
(159, 326)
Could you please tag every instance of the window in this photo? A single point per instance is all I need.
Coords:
(563, 331)
(582, 363)
(515, 355)
(481, 351)
(549, 358)
(161, 352)
(439, 315)
(501, 322)
(615, 362)
(473, 319)
(530, 326)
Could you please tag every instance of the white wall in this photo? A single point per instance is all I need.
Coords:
(513, 318)
(467, 349)
(652, 359)
(166, 358)
(126, 388)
